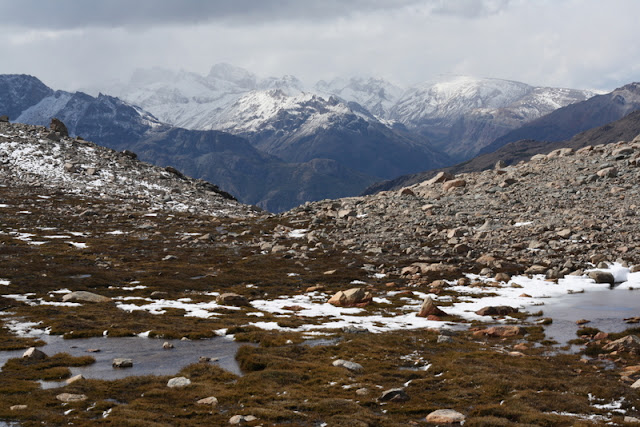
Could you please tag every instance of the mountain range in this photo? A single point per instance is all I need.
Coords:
(457, 115)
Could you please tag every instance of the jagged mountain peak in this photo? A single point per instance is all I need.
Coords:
(289, 84)
(230, 73)
(375, 94)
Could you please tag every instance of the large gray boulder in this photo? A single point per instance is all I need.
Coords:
(84, 296)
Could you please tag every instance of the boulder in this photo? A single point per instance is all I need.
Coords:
(56, 125)
(501, 310)
(84, 296)
(429, 308)
(352, 366)
(178, 382)
(34, 354)
(122, 363)
(70, 398)
(394, 395)
(229, 298)
(454, 183)
(354, 297)
(211, 401)
(610, 172)
(602, 277)
(628, 344)
(167, 345)
(440, 177)
(4, 119)
(445, 416)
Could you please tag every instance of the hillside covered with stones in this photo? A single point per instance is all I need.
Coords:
(421, 306)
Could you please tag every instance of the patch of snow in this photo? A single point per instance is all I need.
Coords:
(5, 282)
(78, 245)
(298, 233)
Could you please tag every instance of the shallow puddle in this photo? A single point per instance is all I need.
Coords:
(606, 310)
(149, 358)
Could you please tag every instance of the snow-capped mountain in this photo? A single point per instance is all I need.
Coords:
(304, 127)
(18, 92)
(376, 95)
(191, 100)
(462, 114)
(104, 119)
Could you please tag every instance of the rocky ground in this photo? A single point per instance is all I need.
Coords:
(413, 307)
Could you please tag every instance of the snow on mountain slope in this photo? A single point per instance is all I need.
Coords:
(193, 101)
(376, 95)
(273, 110)
(448, 98)
(463, 114)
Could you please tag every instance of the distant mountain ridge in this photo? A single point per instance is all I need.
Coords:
(625, 128)
(565, 122)
(457, 115)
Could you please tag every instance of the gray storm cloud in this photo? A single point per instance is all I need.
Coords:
(71, 44)
(146, 13)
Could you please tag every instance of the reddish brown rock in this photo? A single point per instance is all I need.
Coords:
(355, 297)
(429, 308)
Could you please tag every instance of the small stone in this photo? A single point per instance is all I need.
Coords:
(17, 407)
(74, 379)
(178, 382)
(4, 119)
(232, 299)
(242, 419)
(34, 354)
(212, 401)
(167, 345)
(445, 416)
(362, 391)
(582, 321)
(502, 277)
(56, 125)
(329, 272)
(204, 359)
(70, 398)
(352, 366)
(122, 363)
(394, 395)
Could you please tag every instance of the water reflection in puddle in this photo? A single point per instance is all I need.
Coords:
(149, 358)
(606, 310)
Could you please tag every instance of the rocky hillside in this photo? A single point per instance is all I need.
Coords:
(566, 122)
(38, 157)
(621, 130)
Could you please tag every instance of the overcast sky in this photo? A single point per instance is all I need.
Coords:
(70, 44)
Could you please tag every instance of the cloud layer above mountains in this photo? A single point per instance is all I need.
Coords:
(572, 43)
